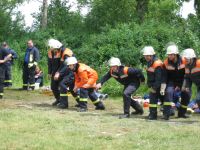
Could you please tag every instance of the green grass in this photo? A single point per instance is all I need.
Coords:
(28, 121)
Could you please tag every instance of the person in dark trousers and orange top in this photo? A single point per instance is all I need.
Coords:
(31, 59)
(56, 57)
(131, 79)
(173, 76)
(8, 73)
(192, 75)
(38, 76)
(154, 79)
(85, 82)
(4, 57)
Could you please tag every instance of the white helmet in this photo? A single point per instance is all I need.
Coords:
(189, 53)
(148, 50)
(71, 61)
(114, 62)
(52, 43)
(172, 49)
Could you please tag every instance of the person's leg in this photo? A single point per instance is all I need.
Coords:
(83, 100)
(153, 105)
(2, 77)
(55, 90)
(128, 101)
(1, 87)
(168, 101)
(198, 97)
(25, 77)
(31, 72)
(95, 100)
(63, 94)
(185, 98)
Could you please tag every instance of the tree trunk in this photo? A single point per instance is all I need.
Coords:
(141, 9)
(44, 14)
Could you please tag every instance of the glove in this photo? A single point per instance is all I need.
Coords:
(56, 76)
(30, 65)
(98, 86)
(162, 89)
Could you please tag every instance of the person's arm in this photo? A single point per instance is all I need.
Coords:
(14, 54)
(63, 71)
(158, 78)
(49, 66)
(105, 78)
(37, 55)
(7, 56)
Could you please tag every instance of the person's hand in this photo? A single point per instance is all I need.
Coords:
(162, 89)
(75, 89)
(177, 88)
(30, 65)
(56, 76)
(98, 86)
(187, 89)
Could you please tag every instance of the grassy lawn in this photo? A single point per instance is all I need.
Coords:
(28, 121)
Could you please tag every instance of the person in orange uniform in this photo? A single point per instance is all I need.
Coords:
(174, 71)
(154, 79)
(192, 75)
(85, 82)
(56, 56)
(131, 79)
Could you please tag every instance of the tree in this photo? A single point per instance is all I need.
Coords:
(44, 14)
(8, 26)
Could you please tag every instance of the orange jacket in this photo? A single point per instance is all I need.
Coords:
(85, 77)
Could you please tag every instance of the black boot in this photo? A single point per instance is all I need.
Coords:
(166, 112)
(56, 102)
(124, 116)
(182, 113)
(77, 105)
(165, 117)
(82, 110)
(63, 102)
(62, 106)
(138, 108)
(99, 106)
(153, 114)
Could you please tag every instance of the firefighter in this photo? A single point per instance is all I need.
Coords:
(56, 56)
(85, 82)
(154, 79)
(66, 85)
(30, 62)
(4, 57)
(173, 73)
(130, 78)
(192, 75)
(8, 72)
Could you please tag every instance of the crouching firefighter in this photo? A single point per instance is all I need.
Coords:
(154, 79)
(130, 78)
(192, 75)
(56, 56)
(66, 84)
(85, 81)
(173, 76)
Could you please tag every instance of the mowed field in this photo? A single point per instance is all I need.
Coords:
(28, 121)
